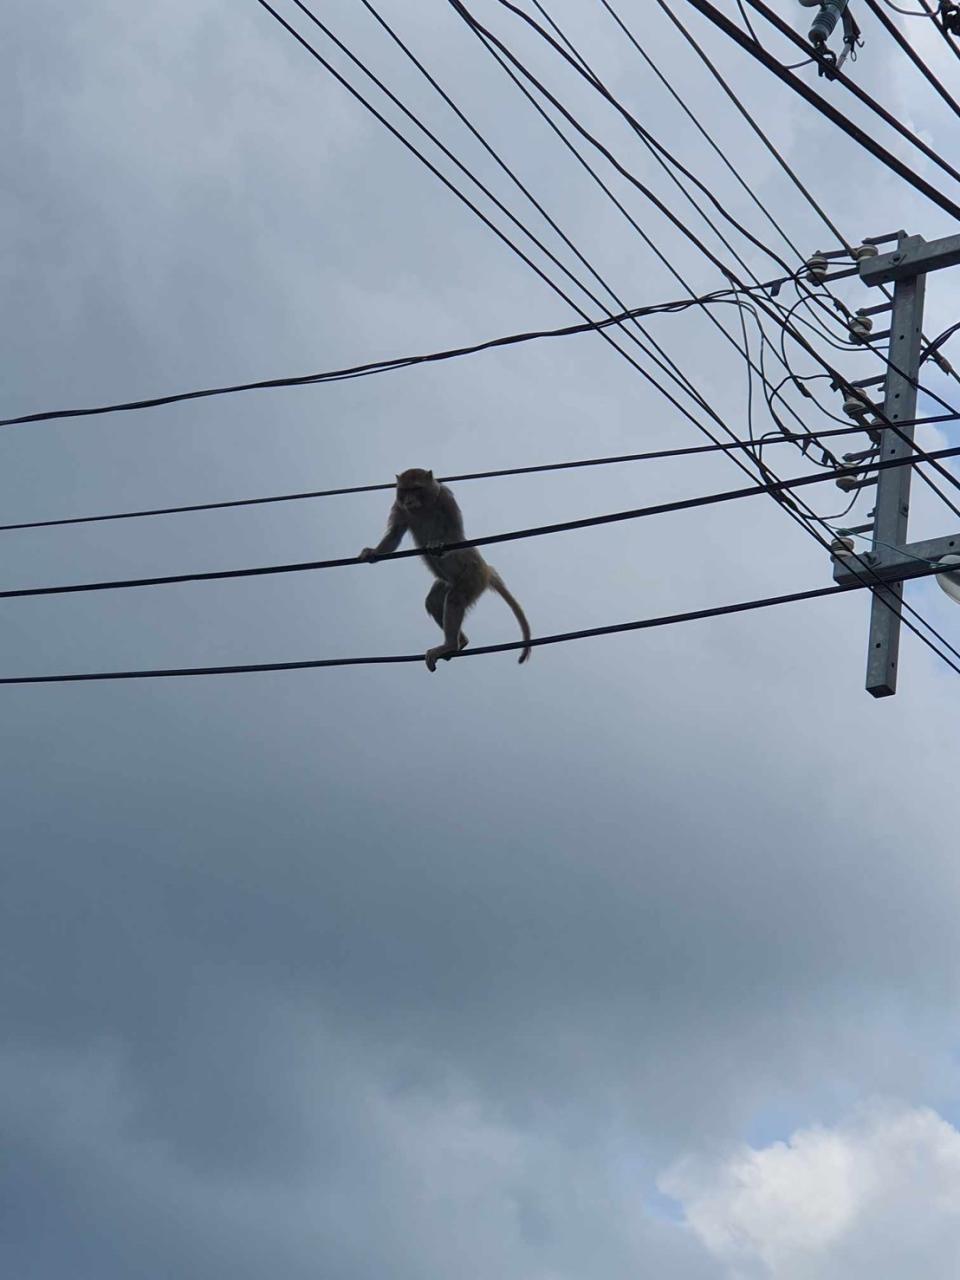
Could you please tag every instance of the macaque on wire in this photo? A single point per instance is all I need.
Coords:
(428, 510)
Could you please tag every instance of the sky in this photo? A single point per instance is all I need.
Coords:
(640, 959)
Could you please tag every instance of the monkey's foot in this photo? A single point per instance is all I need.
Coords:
(433, 656)
(463, 641)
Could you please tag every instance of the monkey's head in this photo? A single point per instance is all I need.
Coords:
(415, 488)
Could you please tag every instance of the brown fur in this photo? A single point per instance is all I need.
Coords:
(429, 511)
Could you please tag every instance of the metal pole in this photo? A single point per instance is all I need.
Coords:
(893, 487)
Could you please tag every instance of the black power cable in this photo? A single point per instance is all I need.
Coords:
(767, 143)
(937, 19)
(795, 514)
(912, 54)
(774, 152)
(587, 633)
(387, 366)
(582, 67)
(826, 108)
(663, 157)
(676, 221)
(515, 535)
(788, 31)
(500, 51)
(692, 116)
(429, 133)
(649, 456)
(433, 169)
(460, 8)
(661, 359)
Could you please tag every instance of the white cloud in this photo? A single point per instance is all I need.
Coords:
(877, 1195)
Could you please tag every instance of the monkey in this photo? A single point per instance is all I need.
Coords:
(428, 510)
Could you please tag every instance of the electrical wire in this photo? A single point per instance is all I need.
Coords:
(573, 56)
(585, 69)
(378, 115)
(461, 9)
(718, 150)
(499, 51)
(912, 54)
(491, 39)
(578, 61)
(940, 26)
(629, 333)
(937, 343)
(594, 141)
(826, 108)
(450, 185)
(541, 468)
(708, 499)
(496, 54)
(321, 26)
(563, 526)
(666, 366)
(835, 74)
(774, 152)
(275, 382)
(700, 399)
(659, 204)
(715, 146)
(643, 624)
(385, 366)
(579, 64)
(907, 13)
(621, 207)
(755, 127)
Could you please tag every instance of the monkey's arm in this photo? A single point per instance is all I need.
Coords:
(396, 528)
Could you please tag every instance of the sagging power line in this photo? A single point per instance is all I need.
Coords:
(587, 633)
(515, 535)
(397, 362)
(650, 455)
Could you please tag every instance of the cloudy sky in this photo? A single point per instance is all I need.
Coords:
(640, 960)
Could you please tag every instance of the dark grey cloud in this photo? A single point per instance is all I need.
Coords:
(362, 970)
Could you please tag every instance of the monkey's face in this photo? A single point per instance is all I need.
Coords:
(414, 489)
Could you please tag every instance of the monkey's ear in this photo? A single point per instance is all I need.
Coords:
(396, 477)
(429, 475)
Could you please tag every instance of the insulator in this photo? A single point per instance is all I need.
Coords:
(848, 483)
(842, 547)
(949, 579)
(817, 265)
(856, 404)
(823, 24)
(864, 251)
(860, 327)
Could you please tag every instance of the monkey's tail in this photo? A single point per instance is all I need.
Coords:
(497, 585)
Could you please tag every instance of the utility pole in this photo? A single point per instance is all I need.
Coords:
(893, 559)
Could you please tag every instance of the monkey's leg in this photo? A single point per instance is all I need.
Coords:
(436, 598)
(454, 608)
